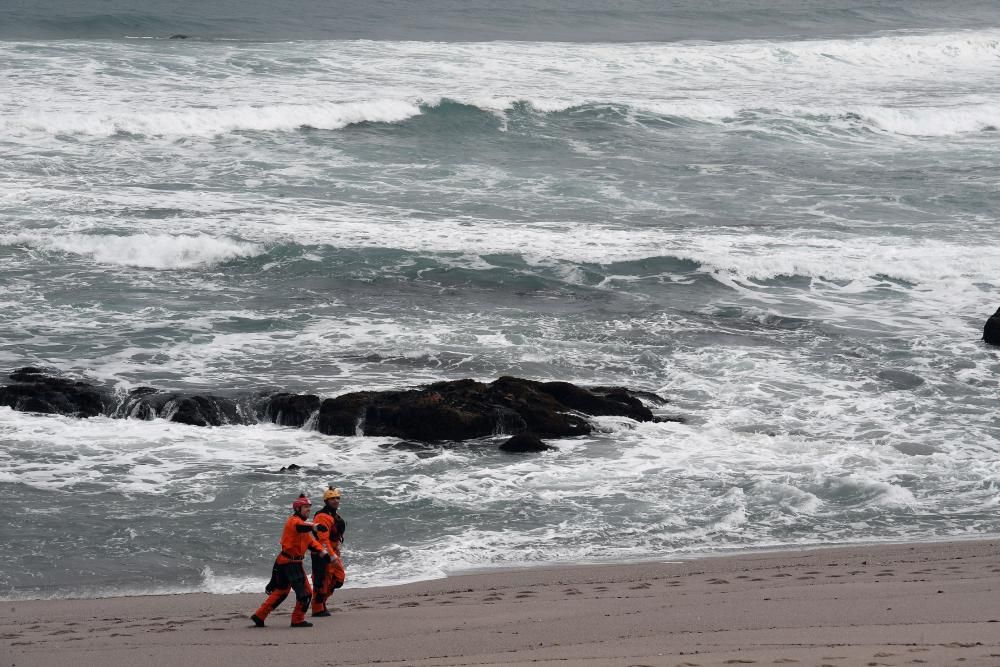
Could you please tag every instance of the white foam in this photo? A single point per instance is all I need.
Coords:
(931, 121)
(342, 83)
(202, 122)
(155, 251)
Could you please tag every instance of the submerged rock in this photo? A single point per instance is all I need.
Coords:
(991, 332)
(525, 442)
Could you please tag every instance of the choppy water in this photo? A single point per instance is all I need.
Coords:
(783, 220)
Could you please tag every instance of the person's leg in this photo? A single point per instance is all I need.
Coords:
(337, 574)
(321, 585)
(276, 597)
(303, 595)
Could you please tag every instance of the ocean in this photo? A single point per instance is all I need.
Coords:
(781, 216)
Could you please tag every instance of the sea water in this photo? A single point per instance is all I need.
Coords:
(780, 216)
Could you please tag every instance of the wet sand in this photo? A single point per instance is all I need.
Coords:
(910, 604)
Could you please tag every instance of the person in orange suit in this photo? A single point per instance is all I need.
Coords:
(328, 574)
(288, 573)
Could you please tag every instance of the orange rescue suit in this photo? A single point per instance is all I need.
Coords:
(331, 537)
(288, 573)
(328, 574)
(296, 539)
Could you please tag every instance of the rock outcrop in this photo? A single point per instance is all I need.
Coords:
(466, 409)
(35, 391)
(444, 411)
(991, 332)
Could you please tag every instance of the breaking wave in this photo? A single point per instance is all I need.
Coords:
(153, 251)
(493, 115)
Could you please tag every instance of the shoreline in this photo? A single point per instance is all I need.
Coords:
(931, 603)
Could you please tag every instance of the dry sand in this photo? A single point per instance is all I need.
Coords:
(912, 604)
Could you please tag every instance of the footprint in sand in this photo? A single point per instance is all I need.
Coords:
(602, 589)
(572, 591)
(800, 578)
(492, 598)
(638, 587)
(408, 604)
(525, 594)
(717, 581)
(782, 661)
(782, 574)
(738, 661)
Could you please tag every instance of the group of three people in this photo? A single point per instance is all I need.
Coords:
(322, 537)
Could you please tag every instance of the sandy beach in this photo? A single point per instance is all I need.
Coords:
(911, 604)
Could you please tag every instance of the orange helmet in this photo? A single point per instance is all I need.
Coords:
(301, 501)
(332, 492)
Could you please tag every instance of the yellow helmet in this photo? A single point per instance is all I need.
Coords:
(332, 492)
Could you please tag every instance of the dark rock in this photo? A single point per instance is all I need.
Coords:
(202, 411)
(290, 409)
(669, 419)
(197, 410)
(525, 442)
(34, 391)
(291, 467)
(30, 374)
(991, 332)
(466, 409)
(650, 396)
(615, 401)
(137, 405)
(178, 36)
(452, 411)
(423, 450)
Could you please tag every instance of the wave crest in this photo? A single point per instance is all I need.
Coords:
(152, 251)
(211, 122)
